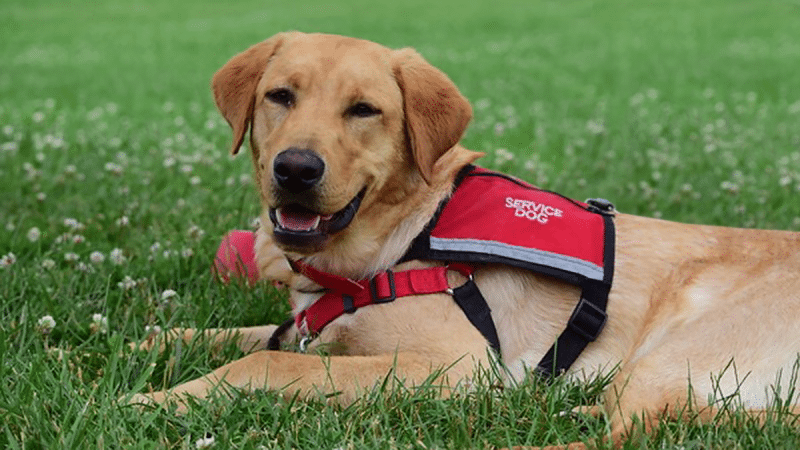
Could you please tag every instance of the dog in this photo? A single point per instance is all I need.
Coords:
(355, 146)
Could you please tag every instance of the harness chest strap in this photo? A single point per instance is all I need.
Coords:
(345, 296)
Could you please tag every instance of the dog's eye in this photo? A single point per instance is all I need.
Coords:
(362, 109)
(281, 96)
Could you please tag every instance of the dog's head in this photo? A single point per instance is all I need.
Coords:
(342, 131)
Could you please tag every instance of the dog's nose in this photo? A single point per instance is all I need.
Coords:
(297, 170)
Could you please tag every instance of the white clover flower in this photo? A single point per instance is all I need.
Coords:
(8, 130)
(10, 226)
(45, 324)
(57, 142)
(195, 180)
(71, 257)
(503, 156)
(127, 283)
(155, 247)
(168, 295)
(113, 168)
(34, 234)
(99, 324)
(83, 267)
(38, 116)
(499, 129)
(48, 264)
(730, 187)
(187, 252)
(205, 442)
(41, 196)
(78, 239)
(123, 221)
(530, 165)
(97, 257)
(117, 257)
(7, 260)
(595, 127)
(94, 114)
(71, 223)
(10, 147)
(196, 232)
(186, 168)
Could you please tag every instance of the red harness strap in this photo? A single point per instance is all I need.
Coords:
(345, 295)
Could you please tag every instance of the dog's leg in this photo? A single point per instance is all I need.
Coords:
(344, 377)
(586, 410)
(248, 339)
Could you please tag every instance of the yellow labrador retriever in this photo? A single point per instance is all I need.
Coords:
(355, 146)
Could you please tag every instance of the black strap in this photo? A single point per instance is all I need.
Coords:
(274, 342)
(588, 318)
(583, 327)
(471, 301)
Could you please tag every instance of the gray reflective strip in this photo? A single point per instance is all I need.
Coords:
(541, 257)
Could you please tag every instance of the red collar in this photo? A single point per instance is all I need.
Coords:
(345, 295)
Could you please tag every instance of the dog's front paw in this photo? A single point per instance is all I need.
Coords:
(143, 399)
(144, 346)
(155, 400)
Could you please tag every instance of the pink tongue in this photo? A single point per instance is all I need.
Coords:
(296, 221)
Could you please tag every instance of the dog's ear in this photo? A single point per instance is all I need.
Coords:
(436, 113)
(234, 86)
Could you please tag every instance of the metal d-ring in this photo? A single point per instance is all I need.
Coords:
(304, 342)
(468, 275)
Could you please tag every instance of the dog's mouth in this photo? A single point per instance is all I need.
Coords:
(301, 229)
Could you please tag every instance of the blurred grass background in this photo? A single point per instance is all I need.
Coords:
(109, 140)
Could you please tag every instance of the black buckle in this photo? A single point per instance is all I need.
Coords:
(601, 206)
(587, 320)
(373, 289)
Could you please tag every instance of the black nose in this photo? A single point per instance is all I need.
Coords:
(297, 170)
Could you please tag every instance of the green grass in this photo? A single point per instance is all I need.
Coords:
(684, 110)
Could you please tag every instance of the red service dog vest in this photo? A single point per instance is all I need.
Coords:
(494, 218)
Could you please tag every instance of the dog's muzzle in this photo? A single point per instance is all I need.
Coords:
(304, 230)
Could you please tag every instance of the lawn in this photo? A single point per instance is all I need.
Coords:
(117, 186)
